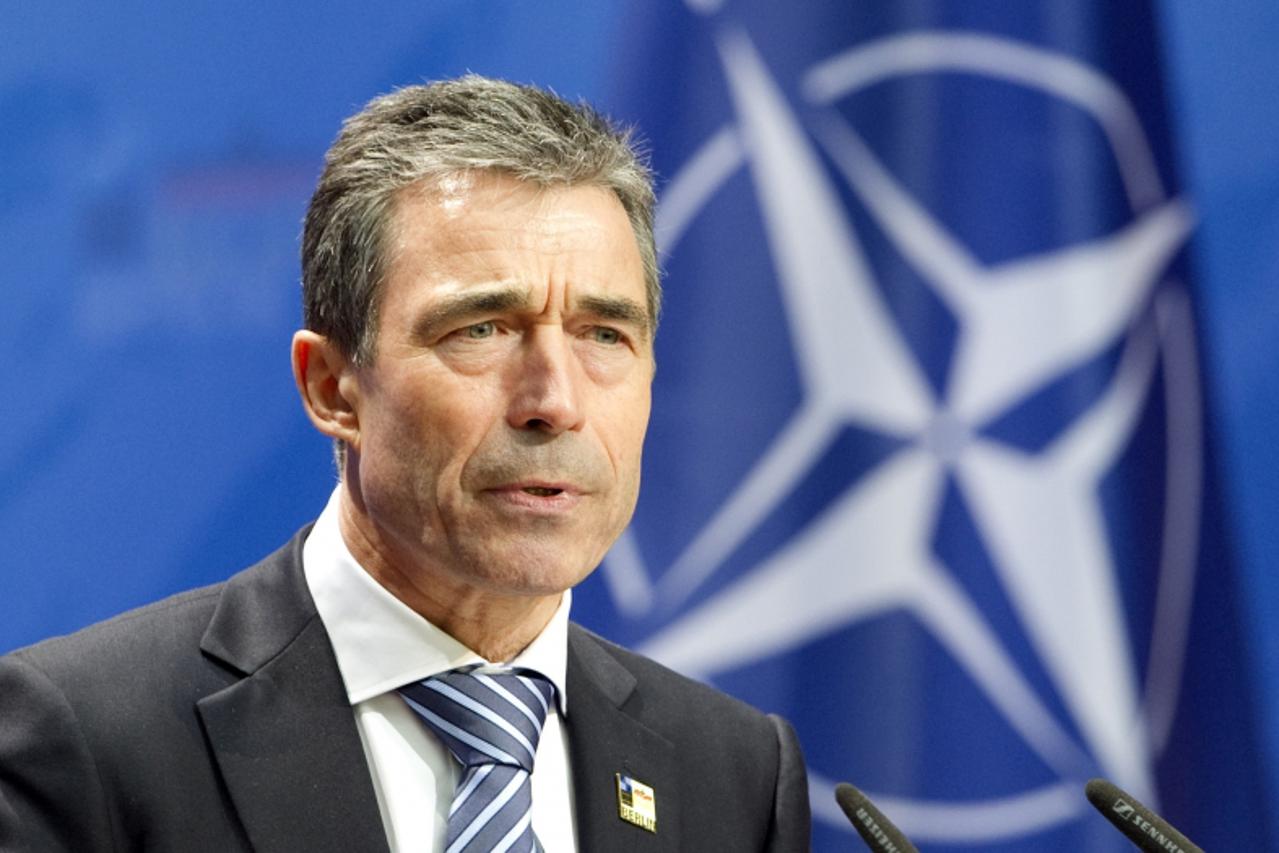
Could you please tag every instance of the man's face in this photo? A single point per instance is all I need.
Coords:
(501, 420)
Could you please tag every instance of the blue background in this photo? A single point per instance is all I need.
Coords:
(155, 162)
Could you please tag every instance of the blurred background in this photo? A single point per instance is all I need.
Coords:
(962, 449)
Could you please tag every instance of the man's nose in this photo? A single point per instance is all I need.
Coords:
(547, 393)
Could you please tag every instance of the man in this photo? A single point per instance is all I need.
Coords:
(481, 294)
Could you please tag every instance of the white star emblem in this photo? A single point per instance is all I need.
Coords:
(1022, 324)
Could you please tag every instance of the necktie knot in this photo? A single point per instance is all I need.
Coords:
(485, 717)
(491, 722)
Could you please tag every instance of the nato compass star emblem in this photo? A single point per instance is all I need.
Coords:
(1038, 514)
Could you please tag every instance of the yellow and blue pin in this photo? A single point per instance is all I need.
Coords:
(636, 803)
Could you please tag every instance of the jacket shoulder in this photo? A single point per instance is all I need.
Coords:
(144, 653)
(137, 636)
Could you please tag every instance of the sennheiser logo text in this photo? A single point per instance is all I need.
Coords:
(1129, 813)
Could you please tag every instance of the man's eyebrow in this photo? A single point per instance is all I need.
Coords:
(617, 309)
(471, 304)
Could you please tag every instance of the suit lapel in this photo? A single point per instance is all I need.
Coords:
(284, 736)
(605, 740)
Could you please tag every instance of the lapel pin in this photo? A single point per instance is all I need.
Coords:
(636, 803)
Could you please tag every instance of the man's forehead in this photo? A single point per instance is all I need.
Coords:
(492, 212)
(459, 195)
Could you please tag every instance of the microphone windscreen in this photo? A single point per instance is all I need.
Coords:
(1143, 827)
(876, 830)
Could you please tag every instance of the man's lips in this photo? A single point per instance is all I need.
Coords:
(539, 493)
(541, 487)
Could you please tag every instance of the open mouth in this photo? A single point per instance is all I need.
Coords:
(542, 491)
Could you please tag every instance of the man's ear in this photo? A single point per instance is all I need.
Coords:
(327, 384)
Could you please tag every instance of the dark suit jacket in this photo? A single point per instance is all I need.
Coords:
(217, 721)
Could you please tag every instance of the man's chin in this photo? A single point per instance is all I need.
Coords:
(535, 572)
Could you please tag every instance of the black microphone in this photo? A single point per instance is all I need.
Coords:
(1143, 827)
(876, 830)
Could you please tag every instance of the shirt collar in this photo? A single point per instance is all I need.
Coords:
(382, 644)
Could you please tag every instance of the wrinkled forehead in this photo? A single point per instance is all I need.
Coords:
(471, 228)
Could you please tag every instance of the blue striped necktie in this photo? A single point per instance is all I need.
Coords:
(491, 723)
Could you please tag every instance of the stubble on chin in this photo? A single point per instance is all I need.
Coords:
(535, 557)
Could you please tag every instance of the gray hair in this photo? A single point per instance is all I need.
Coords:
(427, 132)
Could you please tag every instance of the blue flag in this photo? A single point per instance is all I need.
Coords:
(928, 472)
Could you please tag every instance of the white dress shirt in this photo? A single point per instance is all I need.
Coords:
(381, 645)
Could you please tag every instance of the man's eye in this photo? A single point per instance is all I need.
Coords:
(605, 335)
(481, 330)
